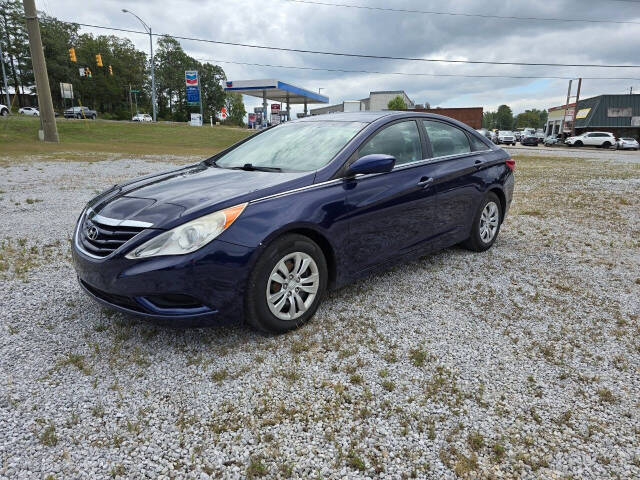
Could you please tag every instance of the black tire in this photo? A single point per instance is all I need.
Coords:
(4, 112)
(606, 145)
(257, 312)
(475, 242)
(578, 144)
(93, 117)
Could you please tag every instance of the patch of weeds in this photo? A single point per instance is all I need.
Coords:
(101, 327)
(418, 356)
(256, 468)
(384, 373)
(356, 379)
(76, 360)
(31, 201)
(291, 374)
(498, 451)
(465, 465)
(118, 471)
(286, 470)
(356, 462)
(388, 385)
(391, 356)
(48, 436)
(97, 410)
(475, 441)
(606, 396)
(603, 460)
(219, 375)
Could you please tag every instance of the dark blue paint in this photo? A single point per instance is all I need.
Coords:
(364, 222)
(375, 163)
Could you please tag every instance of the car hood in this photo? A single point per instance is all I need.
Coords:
(171, 198)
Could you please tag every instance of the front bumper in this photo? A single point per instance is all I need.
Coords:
(198, 289)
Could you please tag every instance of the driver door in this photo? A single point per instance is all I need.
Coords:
(393, 213)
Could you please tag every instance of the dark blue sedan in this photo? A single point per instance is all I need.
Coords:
(260, 231)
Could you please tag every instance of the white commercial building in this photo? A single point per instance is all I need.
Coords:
(375, 101)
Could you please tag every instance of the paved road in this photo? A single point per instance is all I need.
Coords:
(585, 152)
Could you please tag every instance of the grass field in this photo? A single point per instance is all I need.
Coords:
(19, 136)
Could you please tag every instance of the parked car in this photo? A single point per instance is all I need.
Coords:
(31, 111)
(262, 229)
(530, 140)
(552, 140)
(484, 132)
(4, 110)
(592, 139)
(506, 136)
(540, 134)
(494, 136)
(518, 135)
(142, 117)
(80, 112)
(627, 143)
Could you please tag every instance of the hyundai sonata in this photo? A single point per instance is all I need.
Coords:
(260, 231)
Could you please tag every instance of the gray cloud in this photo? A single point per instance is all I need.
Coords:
(288, 24)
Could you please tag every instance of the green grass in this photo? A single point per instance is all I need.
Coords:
(19, 136)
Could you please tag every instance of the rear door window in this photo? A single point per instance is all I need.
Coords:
(446, 139)
(400, 140)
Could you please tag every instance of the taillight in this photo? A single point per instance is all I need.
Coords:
(511, 163)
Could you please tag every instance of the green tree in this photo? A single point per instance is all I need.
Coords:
(235, 109)
(532, 118)
(213, 94)
(397, 103)
(504, 118)
(15, 45)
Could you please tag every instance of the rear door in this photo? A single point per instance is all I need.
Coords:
(392, 213)
(460, 157)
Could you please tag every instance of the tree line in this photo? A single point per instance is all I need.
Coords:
(107, 93)
(503, 119)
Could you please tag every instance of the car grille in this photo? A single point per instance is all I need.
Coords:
(101, 240)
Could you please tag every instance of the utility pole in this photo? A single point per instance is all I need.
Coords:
(4, 79)
(566, 106)
(575, 110)
(47, 117)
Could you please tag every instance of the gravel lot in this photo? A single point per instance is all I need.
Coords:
(522, 362)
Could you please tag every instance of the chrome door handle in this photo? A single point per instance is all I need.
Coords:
(425, 182)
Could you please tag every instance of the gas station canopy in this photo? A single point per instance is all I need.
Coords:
(275, 90)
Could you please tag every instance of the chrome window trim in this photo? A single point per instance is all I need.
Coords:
(296, 190)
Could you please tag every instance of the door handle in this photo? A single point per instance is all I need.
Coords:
(478, 163)
(425, 182)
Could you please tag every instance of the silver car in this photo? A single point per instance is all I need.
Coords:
(627, 143)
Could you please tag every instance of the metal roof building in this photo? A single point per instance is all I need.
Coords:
(618, 114)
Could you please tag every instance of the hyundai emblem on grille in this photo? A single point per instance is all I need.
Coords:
(92, 232)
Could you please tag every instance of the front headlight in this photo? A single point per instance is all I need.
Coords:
(190, 236)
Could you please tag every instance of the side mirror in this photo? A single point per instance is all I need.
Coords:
(374, 163)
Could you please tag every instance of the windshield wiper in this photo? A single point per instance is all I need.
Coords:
(249, 168)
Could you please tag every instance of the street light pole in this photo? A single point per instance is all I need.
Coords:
(153, 75)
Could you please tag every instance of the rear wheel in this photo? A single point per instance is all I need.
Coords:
(286, 285)
(4, 112)
(606, 145)
(486, 224)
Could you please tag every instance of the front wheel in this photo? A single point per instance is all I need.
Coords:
(606, 145)
(286, 285)
(486, 224)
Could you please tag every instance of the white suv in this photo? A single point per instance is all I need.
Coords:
(141, 117)
(592, 139)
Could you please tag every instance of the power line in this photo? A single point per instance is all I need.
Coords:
(356, 55)
(455, 14)
(213, 60)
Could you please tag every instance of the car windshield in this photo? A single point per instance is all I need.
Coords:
(295, 146)
(506, 132)
(629, 139)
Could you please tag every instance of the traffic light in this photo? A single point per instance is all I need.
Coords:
(72, 54)
(99, 60)
(110, 70)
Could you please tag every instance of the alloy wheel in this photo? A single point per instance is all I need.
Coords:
(489, 222)
(292, 286)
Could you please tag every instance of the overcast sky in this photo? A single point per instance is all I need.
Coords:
(296, 25)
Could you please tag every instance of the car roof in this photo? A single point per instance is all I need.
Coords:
(370, 116)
